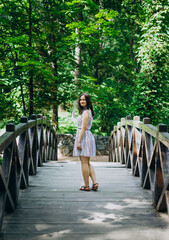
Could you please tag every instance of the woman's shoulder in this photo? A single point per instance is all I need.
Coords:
(87, 112)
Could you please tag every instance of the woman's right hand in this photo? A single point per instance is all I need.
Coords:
(79, 147)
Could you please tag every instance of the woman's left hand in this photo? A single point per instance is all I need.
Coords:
(78, 146)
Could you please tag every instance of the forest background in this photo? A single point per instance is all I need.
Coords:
(115, 50)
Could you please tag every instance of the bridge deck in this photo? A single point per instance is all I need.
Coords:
(53, 207)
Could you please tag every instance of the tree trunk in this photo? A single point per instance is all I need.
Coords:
(77, 71)
(23, 100)
(55, 92)
(55, 117)
(77, 60)
(30, 67)
(17, 74)
(30, 92)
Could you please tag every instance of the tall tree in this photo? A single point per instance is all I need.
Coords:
(30, 70)
(152, 81)
(18, 53)
(43, 57)
(35, 55)
(106, 56)
(77, 60)
(54, 49)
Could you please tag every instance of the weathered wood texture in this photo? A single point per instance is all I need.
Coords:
(145, 149)
(53, 207)
(23, 148)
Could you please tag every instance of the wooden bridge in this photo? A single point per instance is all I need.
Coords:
(52, 207)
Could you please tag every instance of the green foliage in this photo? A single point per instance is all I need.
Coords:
(67, 124)
(124, 48)
(40, 53)
(152, 95)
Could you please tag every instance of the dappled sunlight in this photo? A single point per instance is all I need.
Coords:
(105, 218)
(106, 164)
(53, 235)
(163, 234)
(113, 206)
(114, 235)
(135, 202)
(72, 162)
(128, 234)
(41, 227)
(59, 211)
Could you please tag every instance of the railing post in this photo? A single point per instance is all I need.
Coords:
(111, 147)
(146, 120)
(123, 120)
(23, 146)
(10, 127)
(134, 147)
(127, 142)
(122, 140)
(10, 164)
(33, 146)
(136, 118)
(143, 159)
(51, 144)
(115, 158)
(118, 142)
(45, 140)
(40, 141)
(128, 117)
(56, 148)
(6, 197)
(49, 140)
(161, 128)
(159, 180)
(39, 115)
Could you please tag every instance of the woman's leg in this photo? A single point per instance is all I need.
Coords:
(92, 173)
(85, 169)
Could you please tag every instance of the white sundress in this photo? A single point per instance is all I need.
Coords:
(88, 142)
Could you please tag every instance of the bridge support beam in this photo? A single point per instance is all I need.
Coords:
(22, 149)
(145, 149)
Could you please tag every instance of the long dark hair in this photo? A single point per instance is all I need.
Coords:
(89, 104)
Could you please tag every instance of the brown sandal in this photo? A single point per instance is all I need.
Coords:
(85, 188)
(95, 187)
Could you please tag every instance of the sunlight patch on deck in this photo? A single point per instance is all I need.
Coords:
(54, 235)
(100, 217)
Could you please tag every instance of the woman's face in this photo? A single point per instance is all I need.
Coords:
(83, 102)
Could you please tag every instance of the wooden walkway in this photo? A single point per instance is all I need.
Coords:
(53, 207)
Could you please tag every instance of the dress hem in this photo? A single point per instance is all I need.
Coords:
(83, 156)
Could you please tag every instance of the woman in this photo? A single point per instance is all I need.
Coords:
(84, 142)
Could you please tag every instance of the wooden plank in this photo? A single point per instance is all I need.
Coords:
(20, 128)
(164, 138)
(53, 207)
(6, 139)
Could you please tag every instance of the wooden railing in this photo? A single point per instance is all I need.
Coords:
(23, 148)
(145, 149)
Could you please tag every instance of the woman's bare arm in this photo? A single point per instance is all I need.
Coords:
(85, 118)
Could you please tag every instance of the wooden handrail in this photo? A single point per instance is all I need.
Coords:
(145, 149)
(23, 148)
